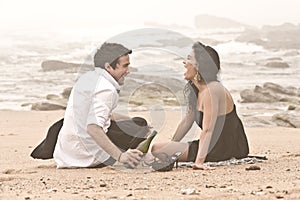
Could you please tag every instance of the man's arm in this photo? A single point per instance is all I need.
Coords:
(131, 156)
(118, 117)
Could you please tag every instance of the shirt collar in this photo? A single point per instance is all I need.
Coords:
(108, 77)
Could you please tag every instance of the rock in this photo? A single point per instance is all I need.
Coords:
(249, 96)
(171, 83)
(52, 97)
(253, 167)
(279, 196)
(279, 89)
(270, 93)
(204, 21)
(285, 36)
(54, 102)
(274, 59)
(188, 191)
(66, 93)
(292, 107)
(292, 53)
(257, 122)
(52, 190)
(142, 90)
(277, 64)
(102, 185)
(54, 65)
(46, 106)
(287, 119)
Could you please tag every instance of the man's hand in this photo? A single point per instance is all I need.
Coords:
(132, 157)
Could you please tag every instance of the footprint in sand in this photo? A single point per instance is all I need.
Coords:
(10, 134)
(46, 166)
(292, 155)
(11, 171)
(2, 179)
(14, 171)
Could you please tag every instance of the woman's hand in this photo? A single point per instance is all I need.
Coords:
(202, 167)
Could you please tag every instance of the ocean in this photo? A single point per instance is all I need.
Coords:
(23, 81)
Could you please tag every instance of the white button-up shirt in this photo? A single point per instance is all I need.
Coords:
(91, 101)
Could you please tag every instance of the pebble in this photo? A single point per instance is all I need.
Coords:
(253, 167)
(210, 186)
(102, 184)
(279, 196)
(141, 188)
(52, 190)
(188, 191)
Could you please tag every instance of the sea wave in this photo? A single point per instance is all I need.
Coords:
(20, 65)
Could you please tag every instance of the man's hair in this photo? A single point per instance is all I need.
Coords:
(110, 53)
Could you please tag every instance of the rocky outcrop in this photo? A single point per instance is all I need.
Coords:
(43, 106)
(287, 119)
(139, 90)
(52, 102)
(277, 65)
(252, 96)
(271, 92)
(292, 53)
(285, 36)
(273, 63)
(145, 90)
(213, 22)
(54, 65)
(66, 93)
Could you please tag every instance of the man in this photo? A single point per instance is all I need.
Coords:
(91, 135)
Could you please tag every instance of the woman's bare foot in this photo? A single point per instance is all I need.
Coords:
(202, 167)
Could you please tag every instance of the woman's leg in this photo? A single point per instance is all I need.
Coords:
(170, 148)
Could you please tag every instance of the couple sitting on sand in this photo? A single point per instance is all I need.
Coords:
(91, 135)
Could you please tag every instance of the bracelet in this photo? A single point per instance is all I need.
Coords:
(119, 157)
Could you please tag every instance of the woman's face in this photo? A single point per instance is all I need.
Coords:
(190, 65)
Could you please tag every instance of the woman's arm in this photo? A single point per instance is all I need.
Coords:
(210, 114)
(184, 126)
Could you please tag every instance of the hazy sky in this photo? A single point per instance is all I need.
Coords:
(57, 14)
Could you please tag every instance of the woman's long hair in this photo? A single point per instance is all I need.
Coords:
(208, 66)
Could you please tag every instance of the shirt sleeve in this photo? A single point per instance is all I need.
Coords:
(102, 104)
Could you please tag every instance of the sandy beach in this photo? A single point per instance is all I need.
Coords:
(22, 177)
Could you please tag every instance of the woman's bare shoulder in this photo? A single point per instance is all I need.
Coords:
(216, 88)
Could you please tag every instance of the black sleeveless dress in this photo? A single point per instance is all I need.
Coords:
(228, 139)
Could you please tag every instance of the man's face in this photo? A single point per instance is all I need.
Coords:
(121, 70)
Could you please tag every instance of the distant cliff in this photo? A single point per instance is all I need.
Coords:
(213, 22)
(285, 36)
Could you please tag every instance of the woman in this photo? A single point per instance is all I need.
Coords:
(211, 106)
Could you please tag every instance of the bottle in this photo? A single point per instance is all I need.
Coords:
(144, 146)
